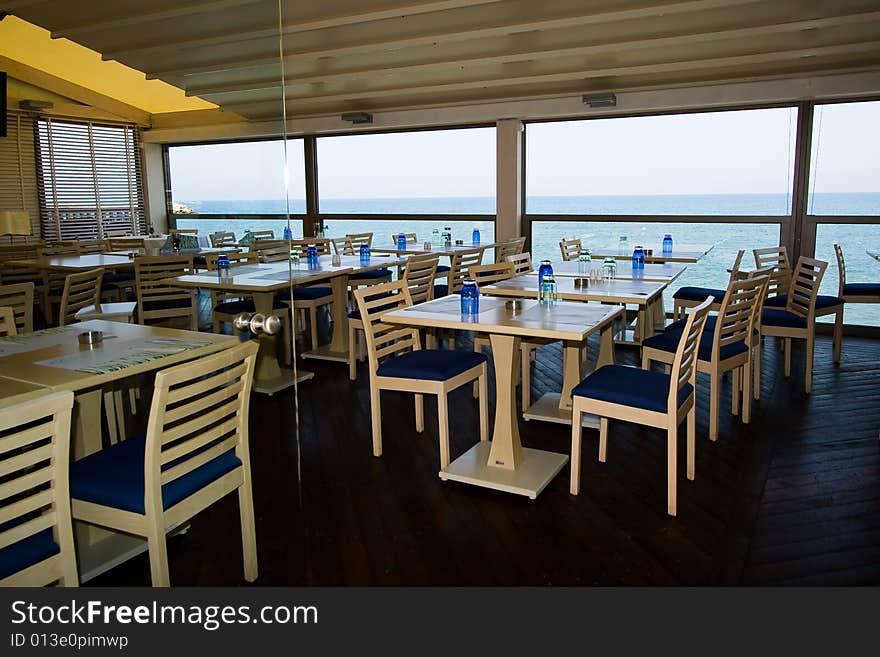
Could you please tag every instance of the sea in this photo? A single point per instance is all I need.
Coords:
(711, 271)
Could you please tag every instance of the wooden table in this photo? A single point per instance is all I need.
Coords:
(689, 253)
(662, 272)
(13, 391)
(263, 281)
(194, 252)
(74, 263)
(23, 372)
(647, 296)
(504, 464)
(443, 250)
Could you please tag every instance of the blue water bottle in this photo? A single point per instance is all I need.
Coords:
(638, 258)
(470, 297)
(223, 267)
(401, 242)
(475, 237)
(312, 255)
(545, 268)
(667, 244)
(365, 252)
(288, 234)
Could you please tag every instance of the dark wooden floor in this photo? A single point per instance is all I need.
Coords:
(792, 498)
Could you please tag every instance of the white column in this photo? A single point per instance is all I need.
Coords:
(154, 187)
(508, 183)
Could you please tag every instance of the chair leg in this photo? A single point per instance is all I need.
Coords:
(646, 362)
(714, 403)
(158, 556)
(484, 404)
(526, 378)
(287, 336)
(808, 365)
(575, 483)
(603, 439)
(110, 413)
(759, 355)
(838, 334)
(443, 421)
(747, 391)
(736, 390)
(248, 530)
(352, 352)
(691, 441)
(120, 413)
(420, 413)
(786, 350)
(313, 327)
(671, 466)
(376, 419)
(476, 386)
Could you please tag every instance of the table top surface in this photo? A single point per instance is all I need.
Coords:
(664, 272)
(616, 291)
(68, 263)
(275, 276)
(560, 321)
(13, 391)
(22, 357)
(419, 248)
(680, 252)
(199, 251)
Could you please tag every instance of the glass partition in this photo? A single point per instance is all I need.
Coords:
(855, 240)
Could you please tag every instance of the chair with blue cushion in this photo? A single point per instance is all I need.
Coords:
(853, 292)
(690, 296)
(398, 362)
(158, 301)
(522, 263)
(36, 533)
(459, 263)
(726, 344)
(354, 241)
(797, 320)
(570, 248)
(510, 248)
(195, 453)
(644, 397)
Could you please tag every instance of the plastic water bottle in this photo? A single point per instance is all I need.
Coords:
(667, 243)
(223, 273)
(470, 297)
(609, 268)
(585, 260)
(622, 246)
(365, 252)
(545, 268)
(401, 242)
(475, 237)
(312, 255)
(435, 236)
(638, 258)
(288, 234)
(548, 293)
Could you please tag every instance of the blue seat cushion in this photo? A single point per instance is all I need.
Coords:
(115, 476)
(630, 386)
(305, 294)
(244, 306)
(442, 269)
(698, 294)
(110, 278)
(440, 291)
(822, 301)
(669, 339)
(430, 364)
(28, 551)
(781, 317)
(167, 304)
(861, 289)
(370, 274)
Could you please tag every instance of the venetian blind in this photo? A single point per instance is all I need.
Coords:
(90, 179)
(18, 171)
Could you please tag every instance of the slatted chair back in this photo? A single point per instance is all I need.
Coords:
(125, 243)
(222, 238)
(522, 263)
(90, 246)
(411, 238)
(322, 244)
(419, 275)
(684, 365)
(272, 252)
(7, 322)
(116, 232)
(491, 273)
(509, 248)
(20, 298)
(736, 316)
(459, 264)
(804, 288)
(235, 256)
(342, 246)
(35, 504)
(183, 231)
(737, 263)
(62, 249)
(263, 235)
(158, 300)
(777, 256)
(80, 290)
(358, 239)
(841, 270)
(570, 248)
(384, 340)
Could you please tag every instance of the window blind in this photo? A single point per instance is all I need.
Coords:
(90, 179)
(18, 171)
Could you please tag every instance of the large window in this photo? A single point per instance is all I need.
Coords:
(429, 172)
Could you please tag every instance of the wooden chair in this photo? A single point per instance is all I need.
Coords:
(509, 248)
(411, 238)
(854, 292)
(522, 263)
(645, 397)
(459, 264)
(36, 533)
(195, 453)
(81, 290)
(797, 320)
(419, 275)
(341, 246)
(116, 232)
(158, 300)
(90, 246)
(59, 249)
(570, 248)
(222, 238)
(691, 297)
(263, 235)
(726, 344)
(183, 231)
(135, 244)
(365, 278)
(20, 298)
(7, 321)
(397, 362)
(322, 244)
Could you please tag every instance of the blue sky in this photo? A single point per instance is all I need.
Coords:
(711, 153)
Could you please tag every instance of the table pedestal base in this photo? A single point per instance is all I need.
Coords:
(530, 477)
(546, 409)
(281, 382)
(324, 352)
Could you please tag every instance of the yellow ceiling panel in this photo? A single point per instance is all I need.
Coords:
(32, 45)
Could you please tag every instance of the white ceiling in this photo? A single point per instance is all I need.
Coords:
(349, 55)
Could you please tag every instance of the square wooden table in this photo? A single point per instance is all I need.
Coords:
(689, 253)
(504, 464)
(74, 263)
(418, 248)
(43, 361)
(660, 272)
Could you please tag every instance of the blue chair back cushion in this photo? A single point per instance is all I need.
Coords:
(699, 294)
(630, 386)
(114, 477)
(669, 339)
(430, 364)
(861, 289)
(28, 551)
